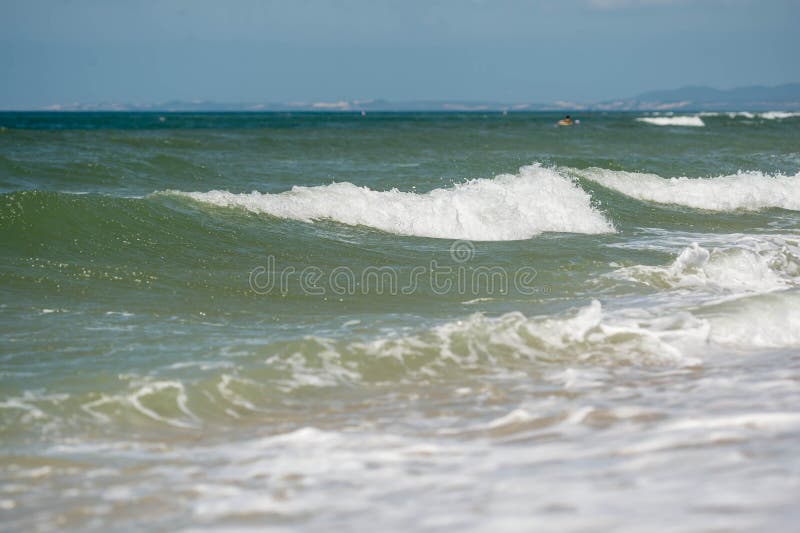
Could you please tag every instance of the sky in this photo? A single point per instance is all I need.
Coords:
(259, 51)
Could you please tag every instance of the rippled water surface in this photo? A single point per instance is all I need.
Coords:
(399, 321)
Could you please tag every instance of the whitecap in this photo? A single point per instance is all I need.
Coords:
(692, 121)
(747, 191)
(752, 265)
(507, 207)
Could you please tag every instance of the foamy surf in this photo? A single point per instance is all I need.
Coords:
(768, 115)
(779, 115)
(691, 121)
(591, 338)
(754, 265)
(762, 321)
(747, 191)
(588, 336)
(507, 207)
(170, 393)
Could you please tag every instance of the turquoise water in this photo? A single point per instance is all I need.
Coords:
(403, 321)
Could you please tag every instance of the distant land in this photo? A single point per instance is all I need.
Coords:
(692, 98)
(696, 98)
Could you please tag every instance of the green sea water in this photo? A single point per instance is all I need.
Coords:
(399, 321)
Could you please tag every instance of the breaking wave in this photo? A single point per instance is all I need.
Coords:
(507, 207)
(747, 191)
(768, 115)
(694, 121)
(752, 265)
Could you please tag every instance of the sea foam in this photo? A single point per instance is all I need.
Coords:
(507, 207)
(768, 115)
(595, 334)
(589, 335)
(747, 191)
(752, 265)
(779, 115)
(694, 121)
(761, 321)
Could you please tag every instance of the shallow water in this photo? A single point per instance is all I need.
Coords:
(399, 321)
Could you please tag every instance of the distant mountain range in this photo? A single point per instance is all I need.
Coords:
(694, 98)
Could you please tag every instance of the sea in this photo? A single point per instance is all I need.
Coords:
(471, 321)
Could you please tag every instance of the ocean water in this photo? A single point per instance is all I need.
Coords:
(399, 322)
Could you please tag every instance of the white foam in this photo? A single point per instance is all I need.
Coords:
(762, 274)
(751, 266)
(508, 207)
(693, 121)
(151, 388)
(748, 191)
(763, 321)
(627, 336)
(493, 344)
(486, 345)
(735, 114)
(517, 416)
(137, 400)
(768, 115)
(594, 335)
(778, 115)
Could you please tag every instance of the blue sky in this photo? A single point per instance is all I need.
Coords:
(91, 51)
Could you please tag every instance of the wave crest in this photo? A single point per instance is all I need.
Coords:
(768, 115)
(693, 121)
(763, 265)
(513, 343)
(507, 207)
(747, 191)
